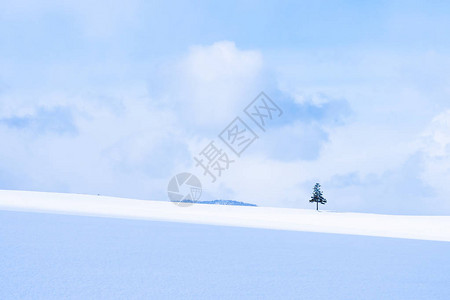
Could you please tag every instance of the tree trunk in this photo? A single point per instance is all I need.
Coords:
(317, 206)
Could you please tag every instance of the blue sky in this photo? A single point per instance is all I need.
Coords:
(116, 97)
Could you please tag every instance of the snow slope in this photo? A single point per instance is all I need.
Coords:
(64, 254)
(435, 228)
(55, 256)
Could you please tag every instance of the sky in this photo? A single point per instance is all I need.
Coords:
(117, 97)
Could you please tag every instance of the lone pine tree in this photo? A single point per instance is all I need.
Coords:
(317, 196)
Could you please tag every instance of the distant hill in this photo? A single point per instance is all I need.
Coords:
(226, 202)
(221, 202)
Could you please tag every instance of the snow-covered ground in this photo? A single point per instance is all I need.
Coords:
(413, 227)
(141, 254)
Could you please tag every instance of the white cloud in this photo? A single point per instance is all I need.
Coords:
(436, 150)
(130, 143)
(378, 148)
(122, 145)
(216, 82)
(127, 143)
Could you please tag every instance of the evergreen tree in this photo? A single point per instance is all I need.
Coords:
(317, 196)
